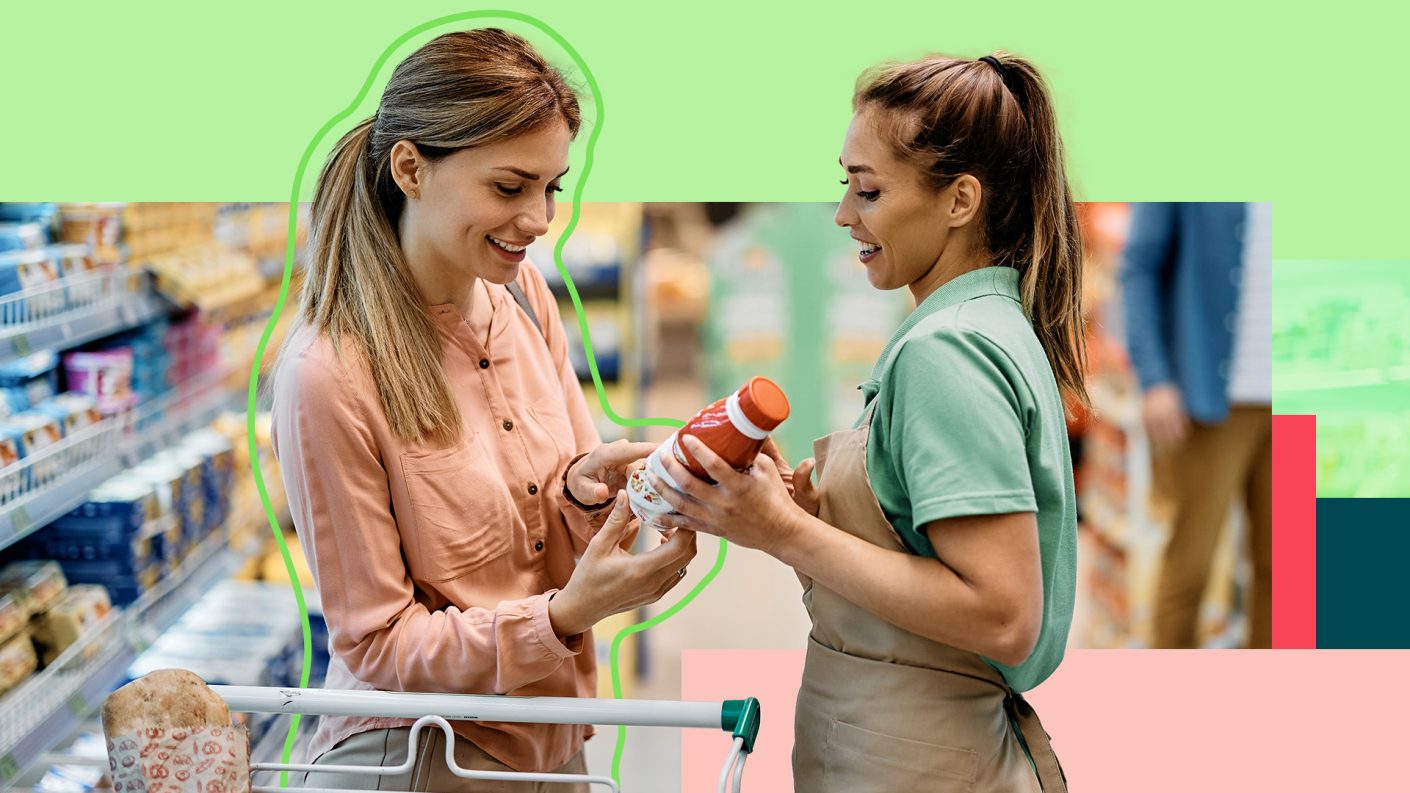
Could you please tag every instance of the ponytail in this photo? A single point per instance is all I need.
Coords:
(359, 288)
(1051, 273)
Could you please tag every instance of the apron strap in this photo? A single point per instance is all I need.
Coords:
(1040, 748)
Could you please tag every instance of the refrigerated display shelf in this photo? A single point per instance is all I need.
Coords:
(44, 710)
(37, 490)
(75, 310)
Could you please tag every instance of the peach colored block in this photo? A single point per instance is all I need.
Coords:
(772, 677)
(1128, 720)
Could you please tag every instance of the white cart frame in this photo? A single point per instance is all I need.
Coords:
(739, 717)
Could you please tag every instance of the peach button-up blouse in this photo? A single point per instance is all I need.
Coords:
(435, 566)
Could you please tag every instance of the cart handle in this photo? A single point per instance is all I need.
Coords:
(737, 716)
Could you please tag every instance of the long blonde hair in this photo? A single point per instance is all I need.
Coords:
(463, 89)
(992, 118)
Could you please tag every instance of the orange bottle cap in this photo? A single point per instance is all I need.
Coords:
(763, 403)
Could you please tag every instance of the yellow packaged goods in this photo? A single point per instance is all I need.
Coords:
(40, 584)
(81, 608)
(17, 661)
(14, 612)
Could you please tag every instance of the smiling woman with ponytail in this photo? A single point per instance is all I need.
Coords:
(442, 469)
(938, 549)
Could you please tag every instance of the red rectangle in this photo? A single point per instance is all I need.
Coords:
(1295, 532)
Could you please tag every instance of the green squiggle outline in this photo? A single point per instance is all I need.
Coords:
(582, 326)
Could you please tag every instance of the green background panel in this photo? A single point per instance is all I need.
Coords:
(739, 100)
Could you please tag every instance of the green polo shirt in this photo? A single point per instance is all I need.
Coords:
(968, 421)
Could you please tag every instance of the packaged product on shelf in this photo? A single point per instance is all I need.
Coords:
(38, 431)
(124, 585)
(13, 483)
(169, 482)
(22, 236)
(150, 360)
(221, 452)
(193, 505)
(17, 661)
(112, 526)
(73, 410)
(77, 612)
(14, 613)
(19, 212)
(30, 380)
(77, 266)
(39, 584)
(105, 375)
(95, 225)
(214, 465)
(29, 269)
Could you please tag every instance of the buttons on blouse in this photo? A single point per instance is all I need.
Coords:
(533, 489)
(484, 363)
(538, 546)
(507, 424)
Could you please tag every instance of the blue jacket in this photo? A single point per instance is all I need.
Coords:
(1181, 272)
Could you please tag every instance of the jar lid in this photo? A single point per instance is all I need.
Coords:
(763, 403)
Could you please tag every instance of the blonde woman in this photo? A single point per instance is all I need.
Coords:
(441, 466)
(938, 548)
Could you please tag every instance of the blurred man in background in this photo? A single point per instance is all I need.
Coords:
(1197, 280)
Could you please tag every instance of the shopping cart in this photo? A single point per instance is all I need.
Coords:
(739, 717)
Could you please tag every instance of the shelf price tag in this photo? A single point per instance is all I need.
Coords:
(20, 344)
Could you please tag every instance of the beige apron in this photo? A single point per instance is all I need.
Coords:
(882, 709)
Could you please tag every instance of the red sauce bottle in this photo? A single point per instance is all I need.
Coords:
(735, 427)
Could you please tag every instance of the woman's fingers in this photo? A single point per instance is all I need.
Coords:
(629, 535)
(613, 530)
(620, 453)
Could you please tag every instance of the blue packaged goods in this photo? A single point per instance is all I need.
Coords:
(34, 378)
(73, 411)
(17, 212)
(29, 270)
(79, 270)
(168, 484)
(39, 433)
(22, 236)
(193, 516)
(123, 586)
(126, 555)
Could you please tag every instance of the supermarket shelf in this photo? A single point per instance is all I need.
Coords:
(38, 490)
(73, 311)
(45, 709)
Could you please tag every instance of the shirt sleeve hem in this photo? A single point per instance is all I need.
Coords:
(997, 503)
(543, 629)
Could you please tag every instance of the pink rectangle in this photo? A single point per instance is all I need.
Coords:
(1128, 720)
(1295, 532)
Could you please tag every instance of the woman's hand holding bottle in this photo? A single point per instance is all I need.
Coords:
(610, 579)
